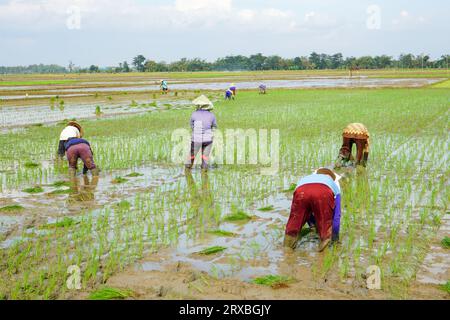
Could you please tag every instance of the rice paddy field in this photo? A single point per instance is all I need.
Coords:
(145, 229)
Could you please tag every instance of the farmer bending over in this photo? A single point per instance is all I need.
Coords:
(202, 123)
(72, 130)
(354, 133)
(262, 89)
(79, 148)
(229, 95)
(164, 86)
(233, 89)
(317, 200)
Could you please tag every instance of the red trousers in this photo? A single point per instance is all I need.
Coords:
(82, 151)
(314, 198)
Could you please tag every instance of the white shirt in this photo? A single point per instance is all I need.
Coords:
(69, 132)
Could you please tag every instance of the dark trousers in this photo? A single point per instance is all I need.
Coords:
(361, 146)
(61, 149)
(205, 147)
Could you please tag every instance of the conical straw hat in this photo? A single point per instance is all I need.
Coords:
(203, 102)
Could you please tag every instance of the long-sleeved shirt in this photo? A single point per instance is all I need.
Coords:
(202, 122)
(69, 132)
(335, 187)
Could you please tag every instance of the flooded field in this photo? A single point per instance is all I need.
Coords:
(322, 82)
(148, 226)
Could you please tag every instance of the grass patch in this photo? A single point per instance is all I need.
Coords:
(445, 287)
(222, 233)
(291, 188)
(237, 216)
(268, 208)
(33, 190)
(108, 293)
(66, 222)
(31, 165)
(11, 208)
(119, 180)
(212, 250)
(445, 243)
(134, 175)
(35, 82)
(273, 281)
(59, 184)
(124, 205)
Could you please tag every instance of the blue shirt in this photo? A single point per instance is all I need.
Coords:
(322, 179)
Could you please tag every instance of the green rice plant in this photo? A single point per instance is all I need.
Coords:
(134, 175)
(33, 190)
(31, 165)
(212, 250)
(61, 183)
(119, 180)
(98, 111)
(12, 208)
(445, 243)
(445, 287)
(108, 293)
(274, 281)
(267, 208)
(66, 222)
(291, 188)
(124, 205)
(237, 216)
(222, 233)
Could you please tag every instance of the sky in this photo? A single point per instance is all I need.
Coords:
(106, 32)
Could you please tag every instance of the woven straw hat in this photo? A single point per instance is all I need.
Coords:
(203, 103)
(78, 126)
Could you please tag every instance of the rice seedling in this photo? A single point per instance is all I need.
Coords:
(267, 208)
(34, 190)
(134, 175)
(445, 243)
(119, 180)
(222, 233)
(445, 287)
(61, 183)
(274, 281)
(66, 222)
(237, 216)
(31, 165)
(108, 293)
(11, 208)
(212, 250)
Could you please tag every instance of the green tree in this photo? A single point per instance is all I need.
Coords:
(138, 63)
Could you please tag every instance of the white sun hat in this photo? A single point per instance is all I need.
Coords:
(203, 103)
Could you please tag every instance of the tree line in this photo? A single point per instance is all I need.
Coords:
(256, 62)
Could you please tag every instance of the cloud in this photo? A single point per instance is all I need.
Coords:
(406, 20)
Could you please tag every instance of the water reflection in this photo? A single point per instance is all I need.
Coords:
(83, 190)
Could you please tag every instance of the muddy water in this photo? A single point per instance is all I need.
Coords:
(304, 83)
(436, 266)
(20, 116)
(254, 251)
(45, 207)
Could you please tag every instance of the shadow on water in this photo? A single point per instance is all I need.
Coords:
(83, 190)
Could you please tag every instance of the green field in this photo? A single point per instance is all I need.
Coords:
(391, 210)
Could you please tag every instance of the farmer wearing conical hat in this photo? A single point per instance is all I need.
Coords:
(202, 122)
(354, 133)
(317, 200)
(72, 130)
